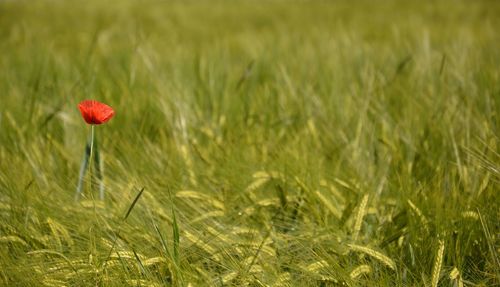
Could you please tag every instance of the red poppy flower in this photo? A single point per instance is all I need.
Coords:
(95, 113)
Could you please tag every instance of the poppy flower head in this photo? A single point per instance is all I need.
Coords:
(95, 113)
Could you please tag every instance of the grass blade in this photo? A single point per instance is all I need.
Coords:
(162, 239)
(143, 270)
(175, 231)
(133, 203)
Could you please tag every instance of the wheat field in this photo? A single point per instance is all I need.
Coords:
(255, 143)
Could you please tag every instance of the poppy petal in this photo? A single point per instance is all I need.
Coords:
(95, 113)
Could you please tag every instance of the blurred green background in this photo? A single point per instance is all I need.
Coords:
(314, 143)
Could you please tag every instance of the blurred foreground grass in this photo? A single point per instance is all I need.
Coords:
(313, 143)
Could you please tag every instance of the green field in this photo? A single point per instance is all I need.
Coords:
(277, 143)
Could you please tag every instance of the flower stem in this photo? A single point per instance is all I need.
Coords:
(83, 169)
(92, 135)
(87, 161)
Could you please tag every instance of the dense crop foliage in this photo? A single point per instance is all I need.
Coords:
(277, 143)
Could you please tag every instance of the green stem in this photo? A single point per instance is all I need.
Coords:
(92, 133)
(91, 142)
(87, 160)
(83, 169)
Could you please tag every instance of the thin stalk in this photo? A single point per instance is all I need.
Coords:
(91, 153)
(87, 161)
(83, 169)
(92, 137)
(98, 169)
(92, 133)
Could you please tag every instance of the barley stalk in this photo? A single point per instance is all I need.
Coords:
(419, 214)
(436, 270)
(455, 276)
(360, 270)
(359, 216)
(375, 254)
